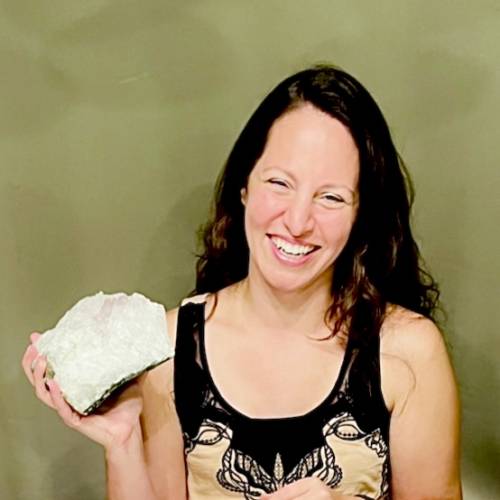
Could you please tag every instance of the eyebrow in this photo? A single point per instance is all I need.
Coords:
(324, 186)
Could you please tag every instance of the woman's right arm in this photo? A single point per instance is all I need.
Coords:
(150, 464)
(161, 430)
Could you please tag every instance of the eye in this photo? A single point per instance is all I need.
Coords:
(277, 182)
(332, 198)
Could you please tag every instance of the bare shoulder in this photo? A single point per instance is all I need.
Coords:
(411, 336)
(420, 380)
(409, 345)
(197, 299)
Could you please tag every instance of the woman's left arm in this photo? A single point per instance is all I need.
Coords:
(425, 420)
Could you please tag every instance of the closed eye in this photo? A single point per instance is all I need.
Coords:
(277, 182)
(333, 198)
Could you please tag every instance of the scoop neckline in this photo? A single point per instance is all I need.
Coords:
(229, 407)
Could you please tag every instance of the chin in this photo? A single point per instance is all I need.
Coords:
(291, 279)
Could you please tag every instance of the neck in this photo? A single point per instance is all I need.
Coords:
(299, 312)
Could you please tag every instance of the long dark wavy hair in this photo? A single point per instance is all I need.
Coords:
(381, 263)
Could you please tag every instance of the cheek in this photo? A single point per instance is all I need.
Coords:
(337, 226)
(262, 207)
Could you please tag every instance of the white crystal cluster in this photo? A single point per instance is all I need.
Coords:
(102, 342)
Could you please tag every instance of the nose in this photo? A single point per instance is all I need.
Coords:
(298, 218)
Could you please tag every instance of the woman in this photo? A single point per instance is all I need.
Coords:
(307, 364)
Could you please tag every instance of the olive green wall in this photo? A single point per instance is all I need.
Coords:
(115, 118)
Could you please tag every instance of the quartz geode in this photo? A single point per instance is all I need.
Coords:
(102, 342)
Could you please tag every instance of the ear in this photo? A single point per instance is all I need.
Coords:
(243, 193)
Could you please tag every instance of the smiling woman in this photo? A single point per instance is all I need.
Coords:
(307, 362)
(310, 267)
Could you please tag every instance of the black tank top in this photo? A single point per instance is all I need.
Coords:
(343, 441)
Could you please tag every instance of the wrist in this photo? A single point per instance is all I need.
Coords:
(132, 446)
(127, 476)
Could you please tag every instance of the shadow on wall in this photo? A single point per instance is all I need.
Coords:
(482, 437)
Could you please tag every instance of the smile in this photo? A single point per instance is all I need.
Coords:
(289, 249)
(289, 252)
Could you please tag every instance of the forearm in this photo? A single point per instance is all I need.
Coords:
(127, 476)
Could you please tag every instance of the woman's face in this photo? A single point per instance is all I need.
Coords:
(301, 200)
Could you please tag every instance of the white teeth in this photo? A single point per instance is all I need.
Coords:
(292, 249)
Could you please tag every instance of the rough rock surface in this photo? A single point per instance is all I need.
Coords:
(102, 342)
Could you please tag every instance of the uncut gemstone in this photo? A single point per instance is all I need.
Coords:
(103, 341)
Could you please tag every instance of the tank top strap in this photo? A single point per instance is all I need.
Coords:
(189, 319)
(189, 379)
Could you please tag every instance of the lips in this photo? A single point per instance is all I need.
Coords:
(291, 254)
(291, 247)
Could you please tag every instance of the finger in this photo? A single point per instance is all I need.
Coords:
(64, 410)
(39, 378)
(34, 337)
(29, 357)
